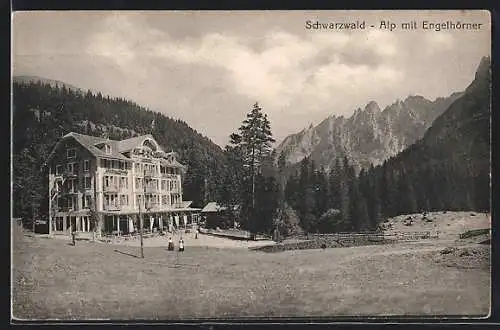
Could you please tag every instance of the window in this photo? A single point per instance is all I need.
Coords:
(107, 149)
(70, 168)
(71, 185)
(58, 169)
(86, 201)
(123, 199)
(86, 165)
(88, 182)
(70, 153)
(70, 202)
(124, 182)
(163, 184)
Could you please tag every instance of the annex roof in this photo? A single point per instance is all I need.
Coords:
(214, 207)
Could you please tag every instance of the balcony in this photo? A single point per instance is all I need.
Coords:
(65, 174)
(153, 207)
(116, 171)
(151, 190)
(111, 189)
(123, 189)
(112, 207)
(149, 173)
(69, 192)
(169, 176)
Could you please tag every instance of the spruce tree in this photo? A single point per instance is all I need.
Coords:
(253, 142)
(334, 178)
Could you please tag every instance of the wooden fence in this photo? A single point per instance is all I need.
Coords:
(374, 236)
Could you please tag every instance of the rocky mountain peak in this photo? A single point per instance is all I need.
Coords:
(372, 107)
(368, 136)
(482, 76)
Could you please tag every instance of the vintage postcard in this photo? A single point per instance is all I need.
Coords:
(264, 165)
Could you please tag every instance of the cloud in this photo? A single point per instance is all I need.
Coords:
(206, 69)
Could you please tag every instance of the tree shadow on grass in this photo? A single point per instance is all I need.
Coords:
(127, 254)
(168, 264)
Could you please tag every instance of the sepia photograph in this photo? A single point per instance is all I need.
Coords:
(250, 165)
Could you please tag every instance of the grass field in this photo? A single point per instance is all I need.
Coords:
(54, 280)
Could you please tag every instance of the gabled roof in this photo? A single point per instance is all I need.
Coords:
(173, 163)
(117, 147)
(89, 142)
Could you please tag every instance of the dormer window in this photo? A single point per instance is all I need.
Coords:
(107, 149)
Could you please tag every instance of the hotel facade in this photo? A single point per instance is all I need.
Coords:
(115, 181)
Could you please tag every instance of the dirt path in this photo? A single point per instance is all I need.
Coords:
(189, 241)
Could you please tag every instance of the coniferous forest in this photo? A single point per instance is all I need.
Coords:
(448, 169)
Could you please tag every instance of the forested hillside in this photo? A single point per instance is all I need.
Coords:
(43, 113)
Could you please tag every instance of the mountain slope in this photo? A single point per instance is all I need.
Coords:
(450, 166)
(42, 80)
(464, 129)
(369, 136)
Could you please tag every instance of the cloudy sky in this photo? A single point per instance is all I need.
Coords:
(209, 68)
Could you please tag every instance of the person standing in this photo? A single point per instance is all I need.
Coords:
(170, 244)
(181, 245)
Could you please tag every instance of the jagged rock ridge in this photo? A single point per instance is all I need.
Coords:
(369, 136)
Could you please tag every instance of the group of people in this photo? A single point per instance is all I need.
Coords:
(171, 245)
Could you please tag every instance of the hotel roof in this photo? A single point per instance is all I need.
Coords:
(117, 147)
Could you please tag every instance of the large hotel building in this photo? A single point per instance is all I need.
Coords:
(115, 180)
